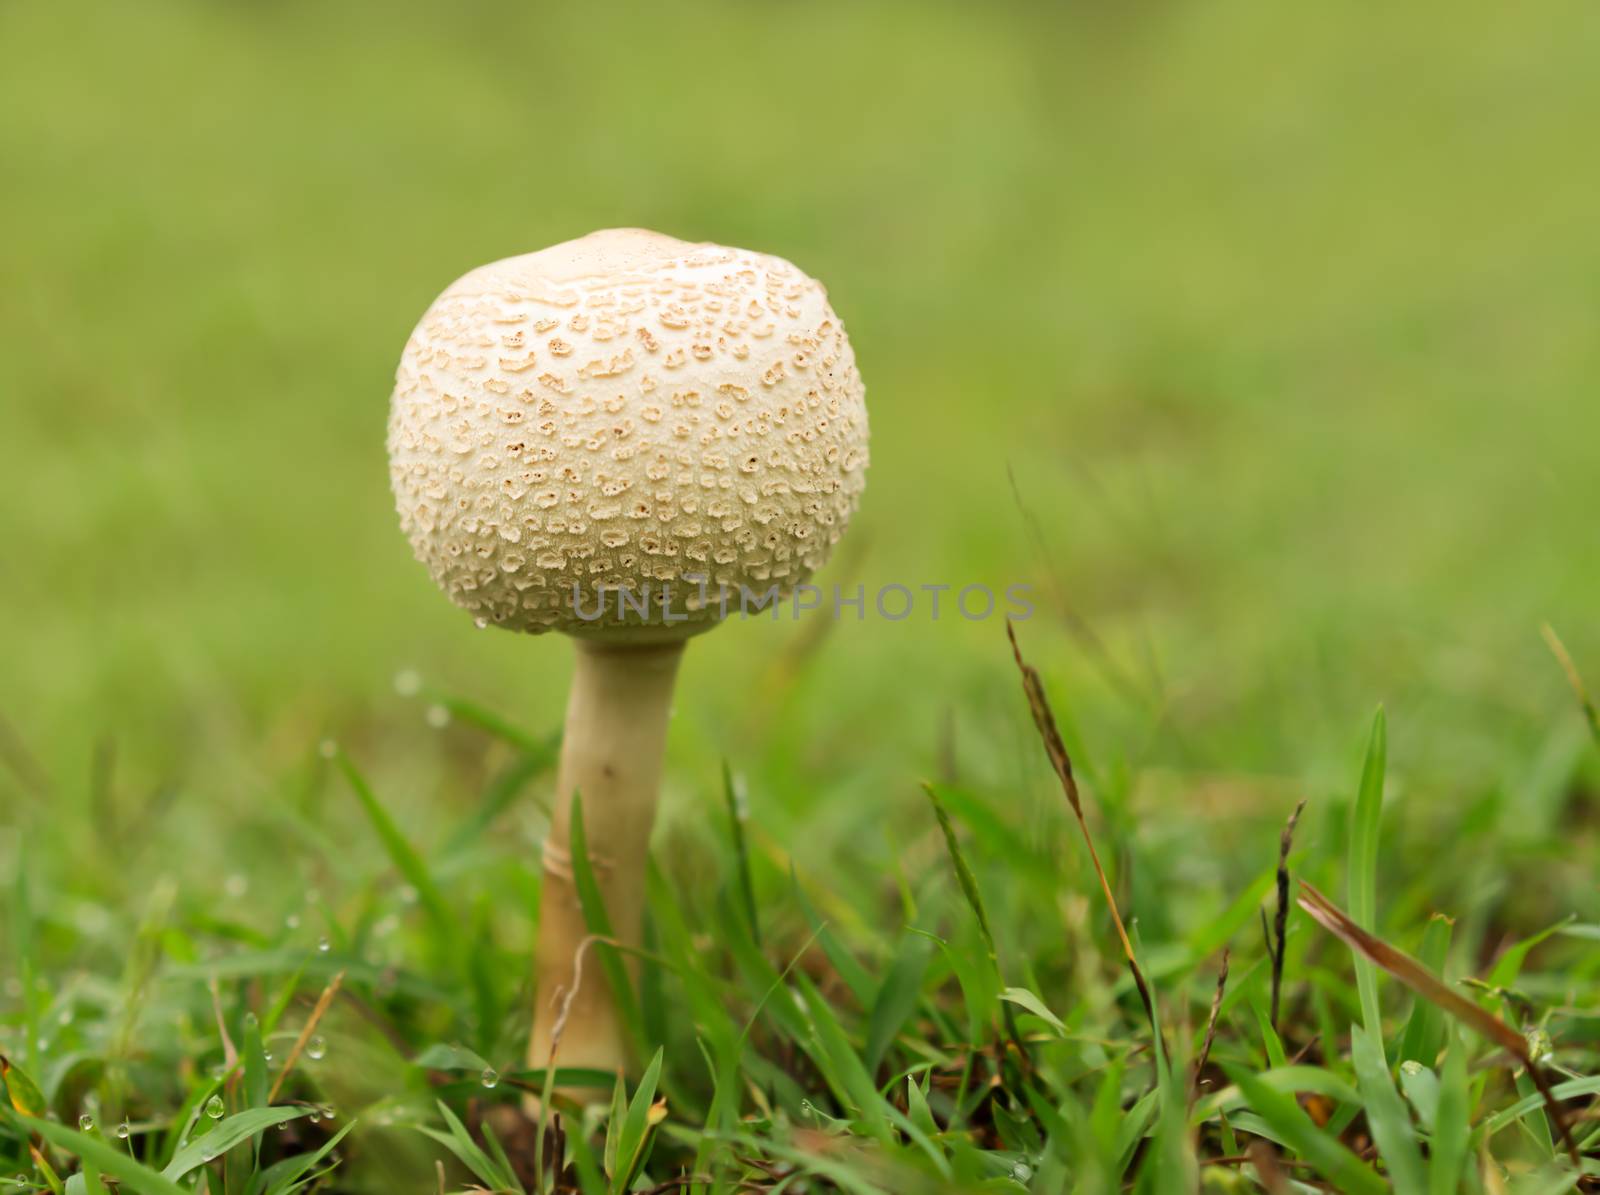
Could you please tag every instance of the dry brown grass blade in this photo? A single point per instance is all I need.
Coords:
(1564, 658)
(1211, 1029)
(324, 1001)
(1433, 989)
(1045, 720)
(230, 1055)
(1268, 1169)
(1281, 923)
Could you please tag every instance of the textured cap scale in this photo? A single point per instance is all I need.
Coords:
(625, 411)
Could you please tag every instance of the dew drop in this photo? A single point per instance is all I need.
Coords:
(292, 921)
(438, 717)
(481, 623)
(1021, 1172)
(490, 1077)
(317, 1049)
(323, 945)
(124, 1131)
(215, 1108)
(86, 1123)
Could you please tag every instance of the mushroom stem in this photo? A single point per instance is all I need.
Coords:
(611, 750)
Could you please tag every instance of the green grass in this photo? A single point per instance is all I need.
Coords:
(1258, 340)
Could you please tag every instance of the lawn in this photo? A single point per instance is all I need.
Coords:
(1254, 341)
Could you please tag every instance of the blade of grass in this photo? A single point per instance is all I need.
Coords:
(598, 920)
(1044, 720)
(22, 1091)
(1211, 1029)
(132, 1174)
(1424, 1033)
(1452, 1120)
(284, 1176)
(461, 709)
(897, 998)
(734, 795)
(969, 889)
(254, 1057)
(1591, 712)
(1424, 983)
(226, 1134)
(852, 972)
(401, 853)
(459, 1142)
(1365, 815)
(1386, 1113)
(1332, 1160)
(502, 791)
(635, 1135)
(324, 1001)
(1280, 924)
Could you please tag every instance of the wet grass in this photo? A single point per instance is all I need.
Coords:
(983, 1023)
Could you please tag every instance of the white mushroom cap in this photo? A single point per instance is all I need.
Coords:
(625, 411)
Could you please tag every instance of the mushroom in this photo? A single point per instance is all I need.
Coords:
(621, 438)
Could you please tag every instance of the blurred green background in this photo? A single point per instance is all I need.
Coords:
(1258, 338)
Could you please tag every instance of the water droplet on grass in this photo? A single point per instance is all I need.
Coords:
(215, 1108)
(317, 1049)
(323, 945)
(490, 1077)
(438, 717)
(86, 1123)
(124, 1131)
